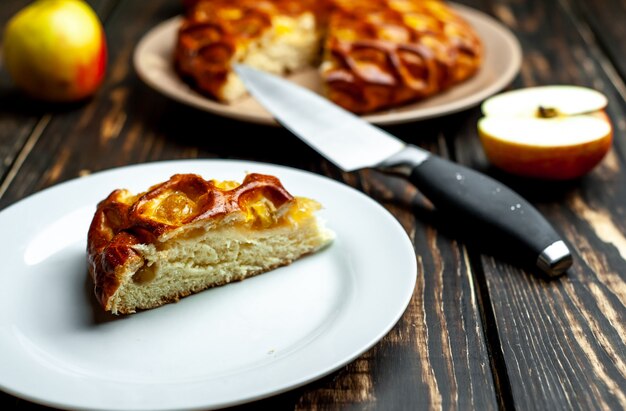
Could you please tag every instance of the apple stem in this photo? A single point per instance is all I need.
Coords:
(547, 112)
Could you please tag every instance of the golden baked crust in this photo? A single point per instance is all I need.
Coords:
(385, 53)
(377, 54)
(123, 221)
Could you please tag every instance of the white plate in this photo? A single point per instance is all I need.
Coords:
(220, 347)
(153, 61)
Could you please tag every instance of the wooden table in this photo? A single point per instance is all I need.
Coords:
(478, 333)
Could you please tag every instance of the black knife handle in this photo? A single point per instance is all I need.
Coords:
(489, 207)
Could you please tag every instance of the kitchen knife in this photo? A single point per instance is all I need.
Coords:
(351, 144)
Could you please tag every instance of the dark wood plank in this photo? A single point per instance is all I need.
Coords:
(604, 19)
(16, 120)
(563, 341)
(436, 355)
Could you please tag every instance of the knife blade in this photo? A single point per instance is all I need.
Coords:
(466, 194)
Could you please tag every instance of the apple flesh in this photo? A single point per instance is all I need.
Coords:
(552, 132)
(55, 50)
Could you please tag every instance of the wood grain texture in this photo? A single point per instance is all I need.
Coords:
(601, 24)
(17, 118)
(563, 342)
(605, 24)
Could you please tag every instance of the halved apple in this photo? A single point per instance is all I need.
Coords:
(550, 132)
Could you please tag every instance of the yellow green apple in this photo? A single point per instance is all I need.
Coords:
(55, 50)
(549, 132)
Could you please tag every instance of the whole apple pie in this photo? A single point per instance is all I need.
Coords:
(371, 54)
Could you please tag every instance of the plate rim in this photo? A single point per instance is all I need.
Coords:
(384, 118)
(305, 378)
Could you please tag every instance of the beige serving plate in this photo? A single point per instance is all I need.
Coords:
(153, 60)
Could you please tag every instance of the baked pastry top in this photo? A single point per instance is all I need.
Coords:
(188, 234)
(375, 54)
(384, 53)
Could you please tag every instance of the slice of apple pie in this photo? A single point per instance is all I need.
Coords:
(188, 234)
